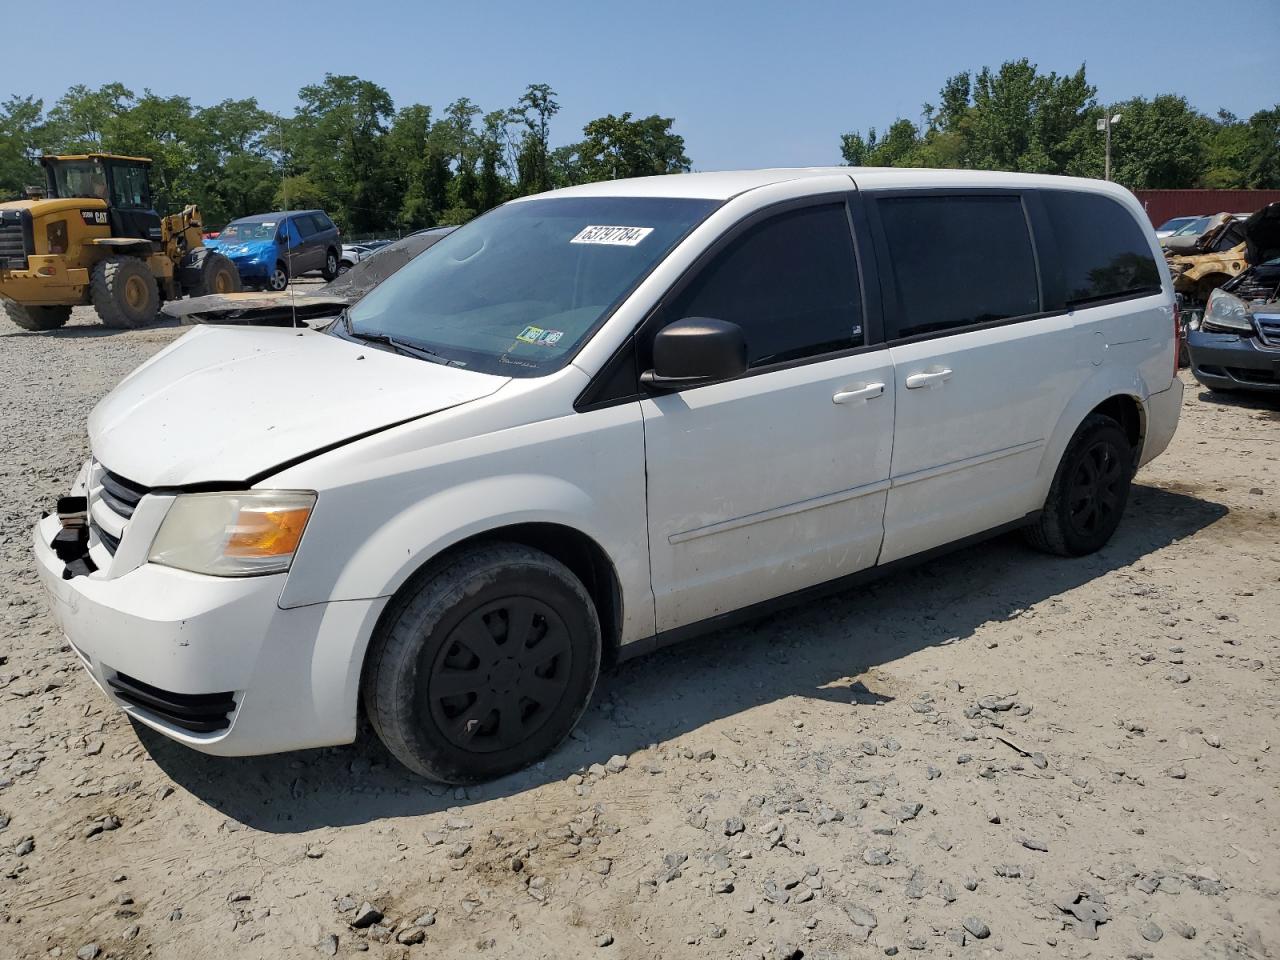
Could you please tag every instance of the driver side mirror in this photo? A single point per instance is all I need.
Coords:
(696, 351)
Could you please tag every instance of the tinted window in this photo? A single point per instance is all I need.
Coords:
(791, 283)
(305, 225)
(322, 222)
(1102, 252)
(958, 261)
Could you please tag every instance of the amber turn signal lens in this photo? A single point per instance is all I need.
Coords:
(260, 532)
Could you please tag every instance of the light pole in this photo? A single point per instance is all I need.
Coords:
(1104, 123)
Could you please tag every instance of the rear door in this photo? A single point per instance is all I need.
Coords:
(311, 249)
(775, 481)
(982, 371)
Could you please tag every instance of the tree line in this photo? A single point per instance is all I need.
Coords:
(379, 168)
(1019, 118)
(347, 149)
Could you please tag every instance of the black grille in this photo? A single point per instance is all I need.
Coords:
(1268, 329)
(111, 543)
(15, 239)
(121, 497)
(197, 712)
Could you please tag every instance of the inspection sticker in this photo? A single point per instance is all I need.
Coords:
(545, 338)
(612, 236)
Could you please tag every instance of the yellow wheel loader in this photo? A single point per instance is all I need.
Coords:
(95, 238)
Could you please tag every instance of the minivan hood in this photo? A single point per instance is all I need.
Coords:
(229, 404)
(250, 248)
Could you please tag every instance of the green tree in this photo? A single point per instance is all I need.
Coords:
(535, 108)
(337, 138)
(237, 152)
(1156, 143)
(20, 132)
(616, 147)
(83, 119)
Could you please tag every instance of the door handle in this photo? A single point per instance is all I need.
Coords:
(927, 379)
(869, 392)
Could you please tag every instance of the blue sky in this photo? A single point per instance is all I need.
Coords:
(749, 83)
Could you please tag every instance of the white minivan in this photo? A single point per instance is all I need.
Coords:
(594, 421)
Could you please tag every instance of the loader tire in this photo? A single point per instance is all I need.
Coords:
(124, 293)
(217, 275)
(36, 318)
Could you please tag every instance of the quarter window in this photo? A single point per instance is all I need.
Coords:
(1102, 251)
(958, 261)
(790, 282)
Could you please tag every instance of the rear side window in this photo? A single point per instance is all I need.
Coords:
(322, 222)
(1102, 252)
(958, 261)
(305, 224)
(790, 282)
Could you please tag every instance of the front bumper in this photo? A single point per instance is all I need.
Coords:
(1227, 361)
(47, 281)
(252, 269)
(166, 645)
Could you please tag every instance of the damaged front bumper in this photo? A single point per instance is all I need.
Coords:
(212, 662)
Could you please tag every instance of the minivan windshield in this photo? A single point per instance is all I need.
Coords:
(516, 291)
(242, 231)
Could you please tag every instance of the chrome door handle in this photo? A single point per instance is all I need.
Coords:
(869, 392)
(928, 379)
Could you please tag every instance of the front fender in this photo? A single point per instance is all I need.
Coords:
(392, 552)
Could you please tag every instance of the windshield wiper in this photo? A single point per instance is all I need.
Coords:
(395, 343)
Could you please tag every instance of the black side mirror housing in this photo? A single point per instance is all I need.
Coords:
(696, 351)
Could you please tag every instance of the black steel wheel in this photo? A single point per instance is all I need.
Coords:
(500, 674)
(1096, 492)
(482, 663)
(1089, 491)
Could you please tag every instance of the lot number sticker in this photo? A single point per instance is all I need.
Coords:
(612, 236)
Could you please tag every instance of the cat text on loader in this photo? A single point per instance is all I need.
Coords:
(96, 238)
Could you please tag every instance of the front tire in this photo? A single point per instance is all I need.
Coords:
(482, 664)
(278, 279)
(330, 265)
(34, 317)
(1089, 491)
(124, 293)
(217, 275)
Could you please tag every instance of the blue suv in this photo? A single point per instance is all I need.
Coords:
(270, 248)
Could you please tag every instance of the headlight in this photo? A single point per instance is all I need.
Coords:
(1226, 313)
(233, 534)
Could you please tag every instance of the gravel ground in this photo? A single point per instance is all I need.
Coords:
(998, 753)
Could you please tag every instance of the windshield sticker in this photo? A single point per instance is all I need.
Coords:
(536, 335)
(612, 236)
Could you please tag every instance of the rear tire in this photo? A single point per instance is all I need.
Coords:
(124, 292)
(330, 265)
(1089, 491)
(36, 318)
(217, 275)
(482, 664)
